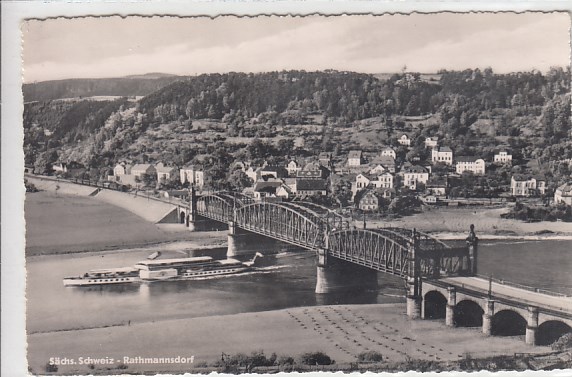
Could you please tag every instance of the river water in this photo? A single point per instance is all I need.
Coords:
(287, 280)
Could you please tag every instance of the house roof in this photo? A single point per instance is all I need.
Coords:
(566, 189)
(165, 169)
(468, 158)
(310, 184)
(414, 169)
(444, 149)
(141, 166)
(267, 186)
(354, 154)
(325, 155)
(361, 194)
(522, 177)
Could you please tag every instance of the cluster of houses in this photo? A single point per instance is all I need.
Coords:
(374, 176)
(133, 175)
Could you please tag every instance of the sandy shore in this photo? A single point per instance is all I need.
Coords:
(342, 332)
(454, 223)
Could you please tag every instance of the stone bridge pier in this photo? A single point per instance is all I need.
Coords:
(335, 275)
(244, 243)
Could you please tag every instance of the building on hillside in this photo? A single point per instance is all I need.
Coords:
(309, 174)
(377, 169)
(315, 168)
(387, 162)
(192, 175)
(384, 180)
(404, 140)
(165, 173)
(367, 200)
(60, 167)
(138, 170)
(521, 185)
(122, 169)
(469, 163)
(431, 142)
(442, 154)
(272, 188)
(503, 157)
(253, 173)
(388, 152)
(309, 187)
(325, 159)
(413, 175)
(362, 181)
(437, 186)
(273, 171)
(293, 167)
(563, 194)
(355, 158)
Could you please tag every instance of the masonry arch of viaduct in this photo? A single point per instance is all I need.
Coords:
(495, 317)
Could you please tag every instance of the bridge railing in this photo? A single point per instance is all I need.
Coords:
(523, 287)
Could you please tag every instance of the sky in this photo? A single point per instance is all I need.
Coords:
(113, 46)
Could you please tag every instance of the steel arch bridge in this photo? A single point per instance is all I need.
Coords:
(397, 251)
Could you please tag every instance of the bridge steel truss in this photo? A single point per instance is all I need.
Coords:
(402, 252)
(287, 222)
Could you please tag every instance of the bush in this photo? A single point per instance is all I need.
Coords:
(51, 368)
(370, 357)
(315, 358)
(285, 360)
(564, 342)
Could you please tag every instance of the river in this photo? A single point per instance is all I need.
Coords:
(288, 280)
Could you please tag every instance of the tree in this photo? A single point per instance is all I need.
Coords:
(342, 192)
(45, 161)
(238, 180)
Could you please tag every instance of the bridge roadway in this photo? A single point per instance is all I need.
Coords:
(502, 291)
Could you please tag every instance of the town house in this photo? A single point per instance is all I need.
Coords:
(404, 140)
(503, 157)
(442, 154)
(413, 175)
(388, 152)
(355, 158)
(473, 164)
(431, 142)
(563, 194)
(521, 185)
(192, 175)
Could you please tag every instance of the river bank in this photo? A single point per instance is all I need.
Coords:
(62, 224)
(454, 223)
(341, 331)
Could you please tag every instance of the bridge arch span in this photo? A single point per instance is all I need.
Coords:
(378, 249)
(468, 313)
(281, 221)
(549, 331)
(217, 206)
(508, 322)
(435, 305)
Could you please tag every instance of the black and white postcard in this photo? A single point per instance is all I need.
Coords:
(368, 192)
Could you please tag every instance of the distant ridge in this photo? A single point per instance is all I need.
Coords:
(134, 85)
(151, 75)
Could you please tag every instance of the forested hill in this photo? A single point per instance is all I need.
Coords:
(301, 113)
(140, 85)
